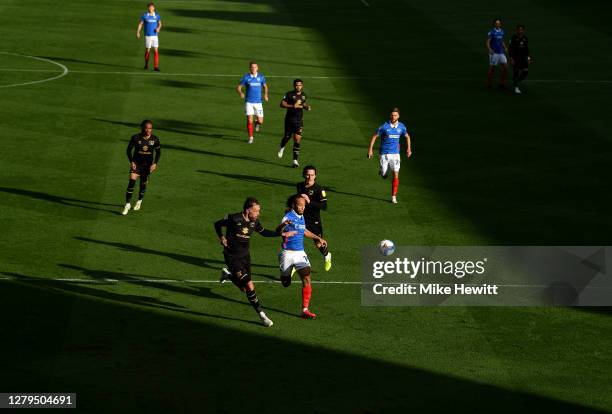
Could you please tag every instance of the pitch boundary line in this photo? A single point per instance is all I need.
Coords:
(268, 282)
(63, 73)
(224, 75)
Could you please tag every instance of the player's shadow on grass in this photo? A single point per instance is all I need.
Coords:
(182, 53)
(178, 286)
(170, 363)
(192, 260)
(278, 181)
(66, 201)
(87, 62)
(145, 301)
(174, 126)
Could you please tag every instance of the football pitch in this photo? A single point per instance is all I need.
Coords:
(126, 311)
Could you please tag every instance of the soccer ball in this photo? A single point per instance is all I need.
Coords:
(386, 247)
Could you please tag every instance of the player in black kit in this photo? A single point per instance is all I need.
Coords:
(519, 57)
(240, 227)
(295, 103)
(316, 200)
(143, 152)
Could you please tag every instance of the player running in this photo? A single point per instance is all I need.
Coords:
(316, 200)
(497, 57)
(293, 255)
(295, 103)
(240, 227)
(143, 152)
(390, 133)
(519, 57)
(152, 25)
(254, 83)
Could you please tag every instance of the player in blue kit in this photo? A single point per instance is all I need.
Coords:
(151, 21)
(390, 133)
(293, 255)
(254, 84)
(497, 54)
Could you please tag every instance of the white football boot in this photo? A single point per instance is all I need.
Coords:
(126, 209)
(137, 205)
(267, 322)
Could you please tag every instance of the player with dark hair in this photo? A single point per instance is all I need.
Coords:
(294, 102)
(316, 200)
(239, 228)
(390, 133)
(254, 84)
(293, 255)
(143, 152)
(151, 21)
(519, 57)
(497, 57)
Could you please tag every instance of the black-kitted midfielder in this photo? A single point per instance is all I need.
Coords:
(143, 152)
(239, 228)
(519, 56)
(316, 200)
(294, 102)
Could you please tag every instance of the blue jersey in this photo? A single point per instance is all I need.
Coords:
(298, 224)
(390, 137)
(150, 23)
(497, 40)
(253, 85)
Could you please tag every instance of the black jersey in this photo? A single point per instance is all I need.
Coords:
(141, 150)
(318, 201)
(238, 233)
(295, 114)
(519, 48)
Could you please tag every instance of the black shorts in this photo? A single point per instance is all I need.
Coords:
(315, 227)
(238, 265)
(521, 63)
(143, 170)
(293, 126)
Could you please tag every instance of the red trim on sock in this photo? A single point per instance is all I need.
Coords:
(250, 127)
(156, 58)
(147, 54)
(394, 186)
(306, 294)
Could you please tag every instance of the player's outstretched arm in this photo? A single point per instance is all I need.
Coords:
(311, 235)
(371, 148)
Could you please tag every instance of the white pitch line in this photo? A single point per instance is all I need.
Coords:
(318, 282)
(64, 72)
(224, 75)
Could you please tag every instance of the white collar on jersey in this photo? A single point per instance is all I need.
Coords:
(255, 75)
(295, 212)
(394, 126)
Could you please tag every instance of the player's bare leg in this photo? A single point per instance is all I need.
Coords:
(297, 139)
(250, 128)
(490, 74)
(306, 293)
(258, 123)
(155, 59)
(325, 252)
(147, 56)
(128, 193)
(503, 75)
(394, 187)
(284, 142)
(245, 284)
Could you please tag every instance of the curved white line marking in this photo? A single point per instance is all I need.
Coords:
(65, 70)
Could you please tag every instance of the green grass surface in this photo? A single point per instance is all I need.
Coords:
(488, 168)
